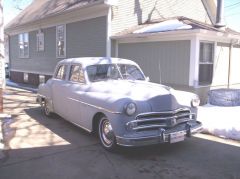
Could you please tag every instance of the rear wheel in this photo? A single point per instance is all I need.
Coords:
(46, 108)
(106, 134)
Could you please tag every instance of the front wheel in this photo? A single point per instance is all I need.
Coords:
(106, 134)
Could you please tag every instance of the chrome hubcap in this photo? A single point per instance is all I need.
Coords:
(107, 132)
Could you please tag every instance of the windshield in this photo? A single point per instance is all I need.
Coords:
(114, 72)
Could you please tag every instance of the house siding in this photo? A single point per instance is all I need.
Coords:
(163, 62)
(44, 61)
(235, 65)
(87, 38)
(222, 70)
(131, 13)
(113, 48)
(83, 38)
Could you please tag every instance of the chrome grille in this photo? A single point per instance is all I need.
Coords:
(155, 120)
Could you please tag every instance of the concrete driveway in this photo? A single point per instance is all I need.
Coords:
(40, 147)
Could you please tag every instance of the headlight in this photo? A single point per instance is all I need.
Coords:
(130, 108)
(195, 101)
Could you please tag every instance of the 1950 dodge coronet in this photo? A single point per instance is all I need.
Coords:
(112, 97)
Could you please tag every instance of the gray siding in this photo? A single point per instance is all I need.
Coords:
(113, 48)
(86, 38)
(163, 62)
(131, 13)
(43, 62)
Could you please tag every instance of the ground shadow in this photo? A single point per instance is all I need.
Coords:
(82, 155)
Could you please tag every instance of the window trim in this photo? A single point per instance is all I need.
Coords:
(40, 36)
(65, 50)
(19, 53)
(70, 70)
(206, 63)
(57, 70)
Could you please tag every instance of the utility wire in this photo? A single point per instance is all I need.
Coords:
(232, 5)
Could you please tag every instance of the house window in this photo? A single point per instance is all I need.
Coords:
(23, 43)
(206, 63)
(61, 41)
(61, 72)
(76, 74)
(40, 41)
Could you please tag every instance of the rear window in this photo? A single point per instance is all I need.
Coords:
(61, 72)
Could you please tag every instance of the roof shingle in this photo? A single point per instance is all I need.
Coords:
(40, 9)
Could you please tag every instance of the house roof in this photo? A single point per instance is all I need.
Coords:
(40, 9)
(189, 23)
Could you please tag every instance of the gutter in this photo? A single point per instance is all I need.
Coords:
(144, 35)
(216, 35)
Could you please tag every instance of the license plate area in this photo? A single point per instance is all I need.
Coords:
(176, 137)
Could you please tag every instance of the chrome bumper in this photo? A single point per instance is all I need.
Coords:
(164, 136)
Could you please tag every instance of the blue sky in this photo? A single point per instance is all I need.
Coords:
(9, 9)
(232, 11)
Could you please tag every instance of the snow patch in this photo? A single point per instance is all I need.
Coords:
(164, 26)
(220, 121)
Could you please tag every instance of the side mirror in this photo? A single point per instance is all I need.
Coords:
(147, 79)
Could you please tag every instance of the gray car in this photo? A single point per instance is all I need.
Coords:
(112, 97)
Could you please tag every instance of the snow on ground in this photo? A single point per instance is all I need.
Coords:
(220, 121)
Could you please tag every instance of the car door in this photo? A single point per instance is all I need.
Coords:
(76, 91)
(59, 88)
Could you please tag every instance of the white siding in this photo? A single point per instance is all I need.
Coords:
(129, 13)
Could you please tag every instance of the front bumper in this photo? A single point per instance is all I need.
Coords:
(172, 135)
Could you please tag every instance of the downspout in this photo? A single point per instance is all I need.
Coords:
(9, 61)
(229, 64)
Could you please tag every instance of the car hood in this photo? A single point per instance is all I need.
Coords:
(159, 97)
(137, 90)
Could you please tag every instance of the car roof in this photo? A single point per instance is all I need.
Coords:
(87, 61)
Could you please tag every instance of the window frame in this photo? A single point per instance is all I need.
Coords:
(83, 73)
(20, 55)
(203, 83)
(40, 38)
(58, 68)
(64, 39)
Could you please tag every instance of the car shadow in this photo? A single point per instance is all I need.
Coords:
(83, 156)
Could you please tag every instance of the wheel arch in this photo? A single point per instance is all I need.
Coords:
(95, 121)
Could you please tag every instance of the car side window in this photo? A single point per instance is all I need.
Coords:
(61, 72)
(77, 74)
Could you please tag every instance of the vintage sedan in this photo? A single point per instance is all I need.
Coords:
(112, 97)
